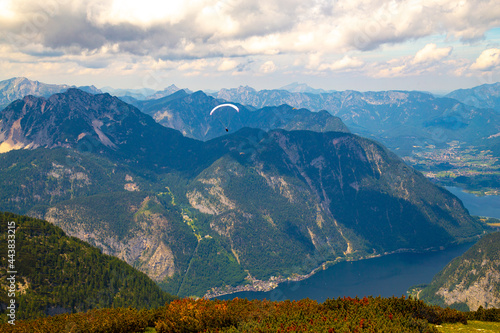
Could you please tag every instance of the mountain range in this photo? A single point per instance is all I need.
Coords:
(405, 121)
(142, 93)
(297, 87)
(399, 119)
(190, 114)
(485, 96)
(242, 210)
(18, 87)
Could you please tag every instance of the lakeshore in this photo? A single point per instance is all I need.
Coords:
(271, 288)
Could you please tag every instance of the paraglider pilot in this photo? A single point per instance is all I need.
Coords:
(223, 105)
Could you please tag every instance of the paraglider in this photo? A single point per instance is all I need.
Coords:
(221, 106)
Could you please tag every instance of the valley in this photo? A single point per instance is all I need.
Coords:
(475, 170)
(249, 166)
(258, 211)
(248, 205)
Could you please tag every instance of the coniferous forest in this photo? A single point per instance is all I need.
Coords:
(61, 274)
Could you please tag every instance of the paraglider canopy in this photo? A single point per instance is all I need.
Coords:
(222, 105)
(226, 118)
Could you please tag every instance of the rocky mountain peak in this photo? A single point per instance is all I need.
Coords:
(64, 119)
(18, 87)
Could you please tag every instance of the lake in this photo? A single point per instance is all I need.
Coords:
(385, 276)
(488, 205)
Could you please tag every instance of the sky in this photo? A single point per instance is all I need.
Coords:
(430, 45)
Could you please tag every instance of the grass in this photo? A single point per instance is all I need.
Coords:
(472, 326)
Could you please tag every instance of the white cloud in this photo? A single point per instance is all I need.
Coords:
(429, 59)
(222, 37)
(6, 12)
(488, 60)
(268, 67)
(343, 64)
(144, 12)
(431, 53)
(227, 65)
(197, 65)
(207, 28)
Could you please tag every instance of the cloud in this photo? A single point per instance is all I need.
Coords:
(196, 65)
(488, 60)
(240, 37)
(343, 64)
(431, 53)
(211, 28)
(429, 59)
(227, 65)
(268, 67)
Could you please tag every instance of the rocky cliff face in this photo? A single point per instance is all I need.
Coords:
(68, 120)
(472, 280)
(137, 232)
(60, 274)
(483, 292)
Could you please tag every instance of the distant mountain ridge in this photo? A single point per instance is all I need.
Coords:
(303, 88)
(142, 93)
(483, 96)
(399, 119)
(17, 88)
(190, 114)
(241, 210)
(139, 93)
(402, 120)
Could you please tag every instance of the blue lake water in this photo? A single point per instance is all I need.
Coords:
(385, 276)
(488, 205)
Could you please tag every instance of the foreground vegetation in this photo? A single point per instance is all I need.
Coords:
(368, 314)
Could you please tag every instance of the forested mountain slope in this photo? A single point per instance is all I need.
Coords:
(235, 210)
(57, 273)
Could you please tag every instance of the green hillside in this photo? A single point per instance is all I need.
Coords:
(471, 280)
(57, 273)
